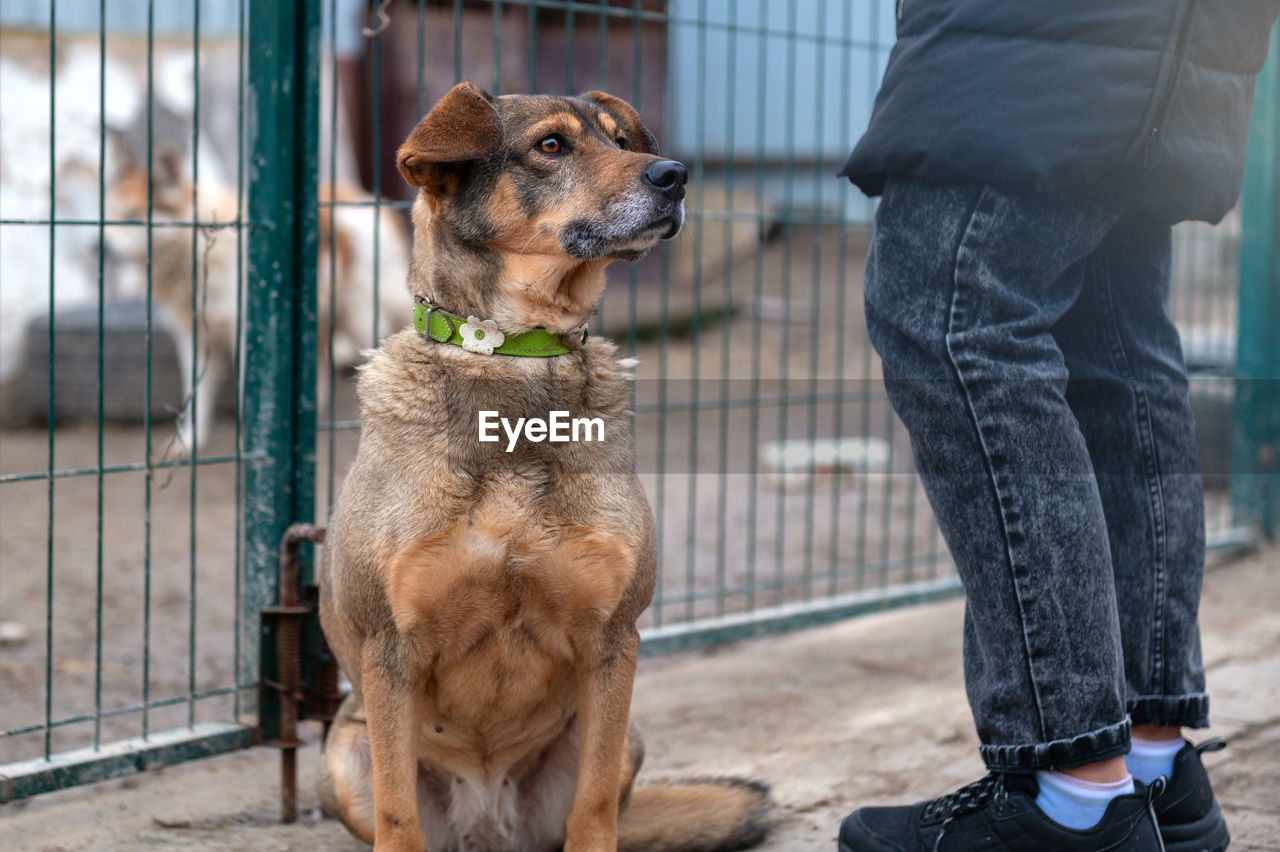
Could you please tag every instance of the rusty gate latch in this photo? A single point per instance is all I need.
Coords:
(296, 702)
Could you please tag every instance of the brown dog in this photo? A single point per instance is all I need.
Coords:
(482, 597)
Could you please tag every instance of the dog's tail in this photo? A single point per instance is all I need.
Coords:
(700, 815)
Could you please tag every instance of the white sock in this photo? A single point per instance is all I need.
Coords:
(1074, 803)
(1149, 759)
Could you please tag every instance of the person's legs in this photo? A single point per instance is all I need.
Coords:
(963, 287)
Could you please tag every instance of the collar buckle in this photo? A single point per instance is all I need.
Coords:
(423, 326)
(423, 316)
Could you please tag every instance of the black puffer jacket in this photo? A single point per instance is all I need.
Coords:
(1146, 101)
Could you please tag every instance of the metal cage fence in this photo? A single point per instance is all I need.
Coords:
(177, 387)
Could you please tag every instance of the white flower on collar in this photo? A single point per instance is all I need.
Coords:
(480, 336)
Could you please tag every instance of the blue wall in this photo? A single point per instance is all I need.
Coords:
(818, 87)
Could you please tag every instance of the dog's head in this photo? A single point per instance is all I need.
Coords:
(552, 188)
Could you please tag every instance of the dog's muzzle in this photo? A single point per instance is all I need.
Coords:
(630, 227)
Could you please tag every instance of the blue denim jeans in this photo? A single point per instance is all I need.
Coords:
(1028, 348)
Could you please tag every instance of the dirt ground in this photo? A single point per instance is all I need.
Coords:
(867, 711)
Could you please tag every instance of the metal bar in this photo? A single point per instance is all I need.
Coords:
(280, 380)
(710, 214)
(117, 760)
(667, 18)
(726, 301)
(124, 710)
(820, 177)
(376, 181)
(148, 476)
(602, 53)
(886, 503)
(789, 582)
(801, 615)
(842, 270)
(51, 410)
(866, 354)
(667, 406)
(129, 467)
(497, 47)
(138, 223)
(457, 41)
(695, 337)
(637, 100)
(768, 621)
(101, 376)
(198, 318)
(788, 189)
(237, 639)
(287, 617)
(331, 273)
(532, 47)
(664, 257)
(419, 86)
(753, 423)
(570, 35)
(602, 84)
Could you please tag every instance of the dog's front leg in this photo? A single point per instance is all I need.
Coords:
(393, 715)
(604, 705)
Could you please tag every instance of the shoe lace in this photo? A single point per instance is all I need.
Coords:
(1154, 791)
(967, 799)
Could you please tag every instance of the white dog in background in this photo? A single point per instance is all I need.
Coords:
(82, 163)
(196, 281)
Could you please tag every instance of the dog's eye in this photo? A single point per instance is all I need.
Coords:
(622, 143)
(553, 144)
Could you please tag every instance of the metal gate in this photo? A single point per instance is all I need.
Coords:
(781, 482)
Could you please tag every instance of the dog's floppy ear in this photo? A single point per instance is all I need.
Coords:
(639, 136)
(462, 126)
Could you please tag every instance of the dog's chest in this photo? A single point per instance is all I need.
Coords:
(503, 613)
(477, 576)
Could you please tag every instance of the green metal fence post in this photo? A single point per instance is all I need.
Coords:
(1256, 438)
(280, 305)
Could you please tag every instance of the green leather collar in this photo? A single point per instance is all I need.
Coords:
(484, 338)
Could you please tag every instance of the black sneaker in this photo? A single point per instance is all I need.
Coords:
(1189, 817)
(999, 812)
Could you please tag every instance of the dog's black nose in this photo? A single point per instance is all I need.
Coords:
(667, 177)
